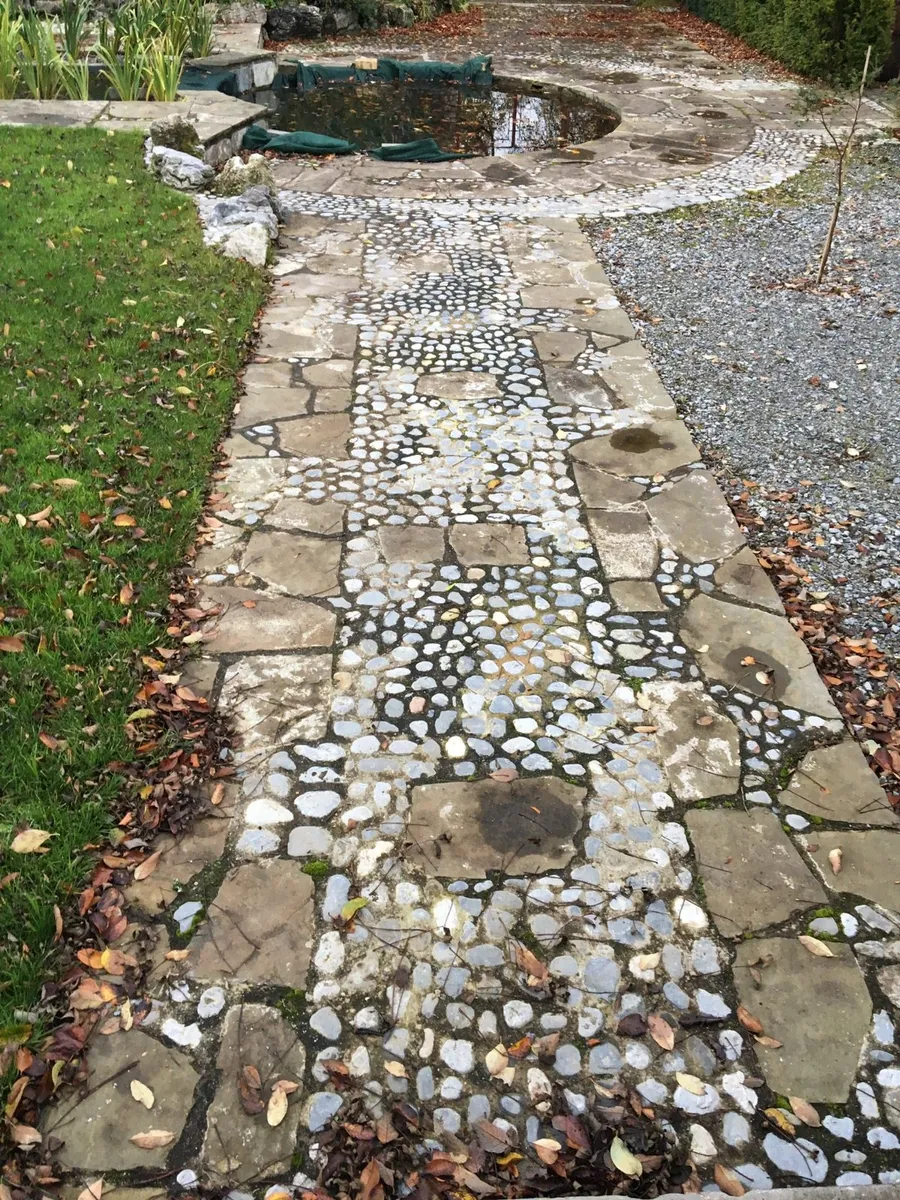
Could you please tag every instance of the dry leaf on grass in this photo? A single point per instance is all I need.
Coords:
(30, 841)
(25, 1135)
(93, 1191)
(768, 1043)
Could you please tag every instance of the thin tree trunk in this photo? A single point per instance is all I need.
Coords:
(843, 156)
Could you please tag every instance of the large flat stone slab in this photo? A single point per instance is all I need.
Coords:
(636, 595)
(624, 543)
(726, 636)
(411, 543)
(818, 1008)
(637, 386)
(326, 517)
(258, 929)
(323, 435)
(567, 385)
(742, 577)
(489, 545)
(654, 449)
(278, 698)
(296, 563)
(255, 621)
(458, 385)
(752, 875)
(181, 859)
(599, 489)
(700, 746)
(464, 830)
(250, 478)
(835, 783)
(240, 1146)
(870, 863)
(96, 1130)
(694, 520)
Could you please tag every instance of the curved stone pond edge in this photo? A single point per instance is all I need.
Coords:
(622, 172)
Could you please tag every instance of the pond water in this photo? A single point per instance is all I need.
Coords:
(466, 119)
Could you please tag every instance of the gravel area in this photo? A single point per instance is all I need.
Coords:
(794, 389)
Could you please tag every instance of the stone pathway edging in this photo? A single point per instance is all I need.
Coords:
(504, 678)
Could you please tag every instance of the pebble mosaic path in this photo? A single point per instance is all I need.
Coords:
(507, 689)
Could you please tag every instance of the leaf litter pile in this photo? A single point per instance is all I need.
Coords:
(863, 682)
(617, 1148)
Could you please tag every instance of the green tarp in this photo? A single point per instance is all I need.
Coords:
(299, 142)
(423, 150)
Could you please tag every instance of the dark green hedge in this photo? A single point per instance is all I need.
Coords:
(825, 39)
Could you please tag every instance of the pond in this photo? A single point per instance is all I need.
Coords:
(464, 118)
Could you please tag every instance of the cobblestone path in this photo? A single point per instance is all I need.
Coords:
(539, 793)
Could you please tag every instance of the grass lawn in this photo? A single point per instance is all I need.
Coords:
(120, 335)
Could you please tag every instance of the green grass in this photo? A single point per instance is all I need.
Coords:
(120, 335)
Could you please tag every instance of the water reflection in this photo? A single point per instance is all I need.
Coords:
(469, 120)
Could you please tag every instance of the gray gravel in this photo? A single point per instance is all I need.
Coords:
(792, 389)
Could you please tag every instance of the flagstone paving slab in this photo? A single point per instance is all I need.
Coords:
(625, 544)
(254, 621)
(756, 651)
(295, 563)
(694, 520)
(835, 783)
(262, 405)
(819, 1008)
(96, 1132)
(494, 545)
(241, 1146)
(468, 829)
(701, 749)
(752, 876)
(743, 578)
(277, 698)
(657, 448)
(257, 929)
(325, 517)
(868, 863)
(181, 859)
